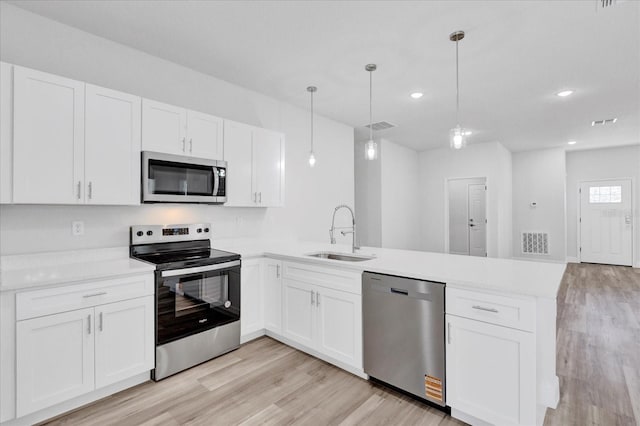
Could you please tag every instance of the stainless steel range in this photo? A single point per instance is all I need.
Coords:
(197, 294)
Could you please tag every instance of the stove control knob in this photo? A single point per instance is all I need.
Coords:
(149, 233)
(139, 233)
(199, 230)
(206, 229)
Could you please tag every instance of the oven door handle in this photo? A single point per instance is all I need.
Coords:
(187, 271)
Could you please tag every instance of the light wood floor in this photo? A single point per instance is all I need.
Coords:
(265, 382)
(598, 347)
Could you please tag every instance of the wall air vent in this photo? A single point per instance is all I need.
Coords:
(380, 125)
(603, 122)
(535, 243)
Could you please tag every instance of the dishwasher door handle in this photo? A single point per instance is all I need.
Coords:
(399, 291)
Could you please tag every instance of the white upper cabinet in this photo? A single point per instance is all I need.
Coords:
(175, 130)
(164, 128)
(204, 134)
(112, 147)
(255, 162)
(48, 139)
(6, 132)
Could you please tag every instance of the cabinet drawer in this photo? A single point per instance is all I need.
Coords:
(334, 278)
(518, 313)
(36, 303)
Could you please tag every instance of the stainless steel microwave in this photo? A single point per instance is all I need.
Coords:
(168, 178)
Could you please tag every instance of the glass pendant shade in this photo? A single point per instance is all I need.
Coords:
(457, 137)
(312, 159)
(371, 150)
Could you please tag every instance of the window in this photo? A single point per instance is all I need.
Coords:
(605, 194)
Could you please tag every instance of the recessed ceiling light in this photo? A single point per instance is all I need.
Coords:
(564, 93)
(571, 142)
(416, 95)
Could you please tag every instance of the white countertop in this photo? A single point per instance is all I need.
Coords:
(504, 276)
(26, 271)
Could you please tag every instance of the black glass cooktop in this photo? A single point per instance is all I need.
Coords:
(181, 254)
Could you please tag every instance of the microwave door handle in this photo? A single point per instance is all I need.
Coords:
(216, 181)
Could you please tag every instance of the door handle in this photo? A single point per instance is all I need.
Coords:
(471, 225)
(260, 195)
(100, 323)
(255, 197)
(79, 189)
(89, 324)
(277, 271)
(313, 301)
(482, 308)
(184, 141)
(90, 190)
(317, 300)
(190, 145)
(627, 220)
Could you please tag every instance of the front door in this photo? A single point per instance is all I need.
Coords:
(606, 222)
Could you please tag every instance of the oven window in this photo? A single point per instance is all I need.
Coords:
(166, 177)
(197, 293)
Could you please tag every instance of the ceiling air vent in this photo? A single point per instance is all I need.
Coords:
(380, 125)
(603, 122)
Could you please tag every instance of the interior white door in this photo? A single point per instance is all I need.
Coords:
(299, 300)
(268, 149)
(477, 220)
(204, 135)
(48, 138)
(239, 156)
(491, 372)
(273, 295)
(339, 325)
(606, 222)
(125, 344)
(251, 300)
(112, 146)
(54, 359)
(164, 128)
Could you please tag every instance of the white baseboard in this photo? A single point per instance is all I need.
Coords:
(572, 259)
(539, 259)
(252, 336)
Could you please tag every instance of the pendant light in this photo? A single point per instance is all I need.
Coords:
(312, 157)
(371, 148)
(457, 135)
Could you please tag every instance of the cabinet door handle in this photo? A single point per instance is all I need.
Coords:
(190, 145)
(79, 189)
(89, 324)
(317, 300)
(260, 194)
(313, 302)
(482, 308)
(448, 333)
(102, 293)
(184, 141)
(90, 190)
(255, 197)
(277, 271)
(100, 324)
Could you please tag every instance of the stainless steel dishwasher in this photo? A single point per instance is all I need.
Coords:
(403, 324)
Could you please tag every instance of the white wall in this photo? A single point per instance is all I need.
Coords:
(400, 222)
(311, 193)
(368, 197)
(609, 163)
(490, 160)
(539, 176)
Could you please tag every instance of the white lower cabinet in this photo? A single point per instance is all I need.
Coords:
(251, 299)
(321, 318)
(55, 359)
(124, 343)
(84, 346)
(272, 288)
(491, 371)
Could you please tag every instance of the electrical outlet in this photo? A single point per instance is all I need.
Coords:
(77, 228)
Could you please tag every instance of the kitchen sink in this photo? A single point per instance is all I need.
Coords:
(340, 256)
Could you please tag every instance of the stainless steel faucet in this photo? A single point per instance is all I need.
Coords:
(352, 229)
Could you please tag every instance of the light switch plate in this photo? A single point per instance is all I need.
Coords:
(77, 228)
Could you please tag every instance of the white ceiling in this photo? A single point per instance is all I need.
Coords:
(515, 57)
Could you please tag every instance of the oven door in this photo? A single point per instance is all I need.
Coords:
(196, 299)
(179, 179)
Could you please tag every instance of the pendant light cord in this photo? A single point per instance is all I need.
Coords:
(370, 105)
(457, 88)
(312, 122)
